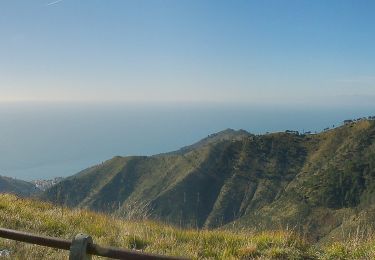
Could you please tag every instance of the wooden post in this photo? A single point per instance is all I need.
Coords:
(78, 247)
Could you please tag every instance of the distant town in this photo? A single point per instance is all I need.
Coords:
(45, 184)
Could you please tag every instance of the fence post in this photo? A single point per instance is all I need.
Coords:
(79, 246)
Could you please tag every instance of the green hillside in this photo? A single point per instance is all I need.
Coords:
(316, 184)
(333, 194)
(152, 237)
(19, 187)
(43, 218)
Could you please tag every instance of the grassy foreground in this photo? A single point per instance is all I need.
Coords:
(43, 218)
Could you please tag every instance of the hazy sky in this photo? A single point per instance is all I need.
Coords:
(233, 51)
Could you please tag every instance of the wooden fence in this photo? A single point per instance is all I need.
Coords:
(81, 247)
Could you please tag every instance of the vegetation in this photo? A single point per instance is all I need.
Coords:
(232, 195)
(149, 236)
(43, 218)
(19, 187)
(315, 183)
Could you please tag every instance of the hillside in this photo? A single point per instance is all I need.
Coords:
(317, 184)
(334, 191)
(43, 218)
(152, 237)
(19, 187)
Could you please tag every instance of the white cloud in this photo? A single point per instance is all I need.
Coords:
(55, 2)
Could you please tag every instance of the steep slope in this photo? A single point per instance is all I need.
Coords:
(146, 236)
(251, 181)
(158, 181)
(335, 186)
(207, 186)
(18, 187)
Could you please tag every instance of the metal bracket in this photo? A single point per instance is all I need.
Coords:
(79, 246)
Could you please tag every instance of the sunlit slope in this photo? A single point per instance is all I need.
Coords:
(309, 182)
(333, 193)
(43, 218)
(207, 186)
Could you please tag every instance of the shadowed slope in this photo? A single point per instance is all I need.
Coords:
(19, 187)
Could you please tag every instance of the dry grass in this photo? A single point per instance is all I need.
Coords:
(43, 218)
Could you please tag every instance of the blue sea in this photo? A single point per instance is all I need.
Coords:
(46, 140)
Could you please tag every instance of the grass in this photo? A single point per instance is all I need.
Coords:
(149, 236)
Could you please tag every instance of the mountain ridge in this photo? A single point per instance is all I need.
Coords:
(18, 187)
(239, 180)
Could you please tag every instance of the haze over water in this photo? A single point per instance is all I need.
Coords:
(82, 81)
(45, 140)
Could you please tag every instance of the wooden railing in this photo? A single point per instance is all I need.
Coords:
(81, 247)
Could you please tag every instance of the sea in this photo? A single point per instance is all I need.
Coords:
(43, 140)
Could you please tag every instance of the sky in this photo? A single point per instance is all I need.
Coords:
(284, 52)
(84, 80)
